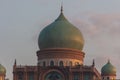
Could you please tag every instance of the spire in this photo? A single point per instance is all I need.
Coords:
(61, 16)
(15, 63)
(108, 60)
(93, 64)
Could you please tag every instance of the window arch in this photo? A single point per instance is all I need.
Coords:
(61, 63)
(51, 63)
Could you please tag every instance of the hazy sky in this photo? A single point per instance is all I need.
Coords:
(22, 20)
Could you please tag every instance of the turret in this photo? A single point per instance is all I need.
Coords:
(15, 63)
(93, 64)
(108, 71)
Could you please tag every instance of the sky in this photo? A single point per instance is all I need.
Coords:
(22, 20)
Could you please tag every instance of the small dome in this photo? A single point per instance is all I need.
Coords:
(2, 69)
(108, 69)
(61, 34)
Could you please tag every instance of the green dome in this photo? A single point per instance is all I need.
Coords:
(2, 69)
(61, 34)
(108, 69)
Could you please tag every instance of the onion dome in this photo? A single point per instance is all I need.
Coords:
(61, 34)
(108, 69)
(2, 69)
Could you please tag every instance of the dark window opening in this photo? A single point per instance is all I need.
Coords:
(51, 63)
(61, 63)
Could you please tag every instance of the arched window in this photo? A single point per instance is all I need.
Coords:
(51, 63)
(61, 63)
(31, 76)
(76, 77)
(70, 63)
(44, 64)
(20, 76)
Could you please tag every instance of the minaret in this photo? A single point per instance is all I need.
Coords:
(14, 66)
(15, 63)
(108, 71)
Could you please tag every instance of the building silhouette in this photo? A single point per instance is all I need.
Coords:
(61, 56)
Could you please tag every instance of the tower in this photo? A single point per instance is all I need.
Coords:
(108, 71)
(2, 72)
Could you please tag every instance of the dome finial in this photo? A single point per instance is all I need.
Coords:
(62, 7)
(93, 64)
(108, 60)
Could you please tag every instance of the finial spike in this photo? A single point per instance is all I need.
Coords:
(93, 64)
(61, 7)
(108, 60)
(15, 62)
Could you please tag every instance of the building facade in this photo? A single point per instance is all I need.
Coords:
(60, 57)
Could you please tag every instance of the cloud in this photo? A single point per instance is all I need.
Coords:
(96, 23)
(101, 33)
